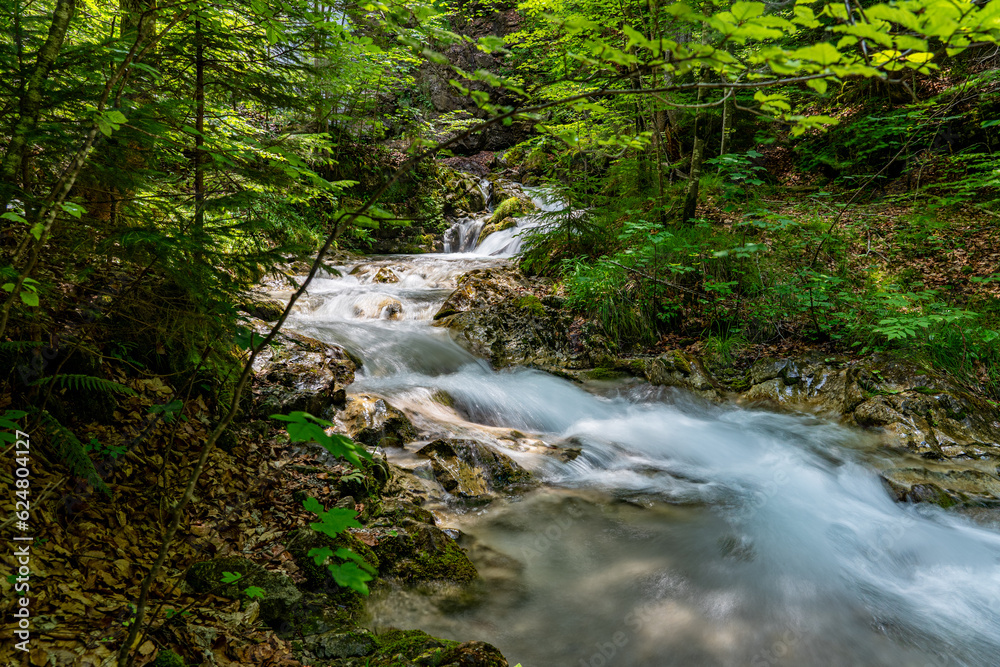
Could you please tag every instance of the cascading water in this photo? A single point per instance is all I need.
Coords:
(683, 534)
(463, 235)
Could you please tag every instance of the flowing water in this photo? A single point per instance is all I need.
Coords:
(684, 534)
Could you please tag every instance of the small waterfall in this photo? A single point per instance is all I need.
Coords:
(487, 189)
(463, 235)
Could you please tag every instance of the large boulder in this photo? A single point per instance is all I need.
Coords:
(521, 331)
(483, 287)
(945, 487)
(461, 192)
(371, 420)
(297, 372)
(499, 226)
(471, 469)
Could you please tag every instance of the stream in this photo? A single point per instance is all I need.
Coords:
(685, 533)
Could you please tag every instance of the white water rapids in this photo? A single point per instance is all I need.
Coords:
(684, 534)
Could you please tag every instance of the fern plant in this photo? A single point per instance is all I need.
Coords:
(87, 382)
(73, 452)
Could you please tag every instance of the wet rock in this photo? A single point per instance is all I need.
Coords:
(378, 306)
(676, 369)
(461, 192)
(943, 487)
(499, 226)
(471, 469)
(480, 288)
(522, 331)
(371, 420)
(385, 275)
(769, 369)
(263, 307)
(300, 373)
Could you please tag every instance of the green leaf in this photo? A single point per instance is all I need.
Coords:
(347, 554)
(320, 554)
(29, 298)
(349, 575)
(313, 505)
(10, 215)
(819, 85)
(336, 521)
(74, 210)
(743, 11)
(254, 592)
(230, 577)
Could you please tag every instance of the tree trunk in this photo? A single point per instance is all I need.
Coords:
(31, 101)
(697, 157)
(199, 126)
(728, 114)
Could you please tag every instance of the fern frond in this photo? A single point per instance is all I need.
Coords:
(88, 382)
(12, 348)
(72, 452)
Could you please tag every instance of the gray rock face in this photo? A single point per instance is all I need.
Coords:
(331, 645)
(911, 409)
(480, 288)
(300, 373)
(523, 331)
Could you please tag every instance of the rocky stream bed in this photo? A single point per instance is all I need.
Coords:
(571, 506)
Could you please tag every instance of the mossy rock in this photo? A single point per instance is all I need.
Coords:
(385, 275)
(285, 608)
(167, 658)
(532, 304)
(423, 552)
(408, 648)
(508, 208)
(491, 227)
(262, 307)
(469, 469)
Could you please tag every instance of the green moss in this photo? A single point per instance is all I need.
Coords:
(399, 648)
(508, 208)
(450, 562)
(167, 658)
(443, 397)
(681, 363)
(421, 552)
(638, 366)
(531, 304)
(604, 373)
